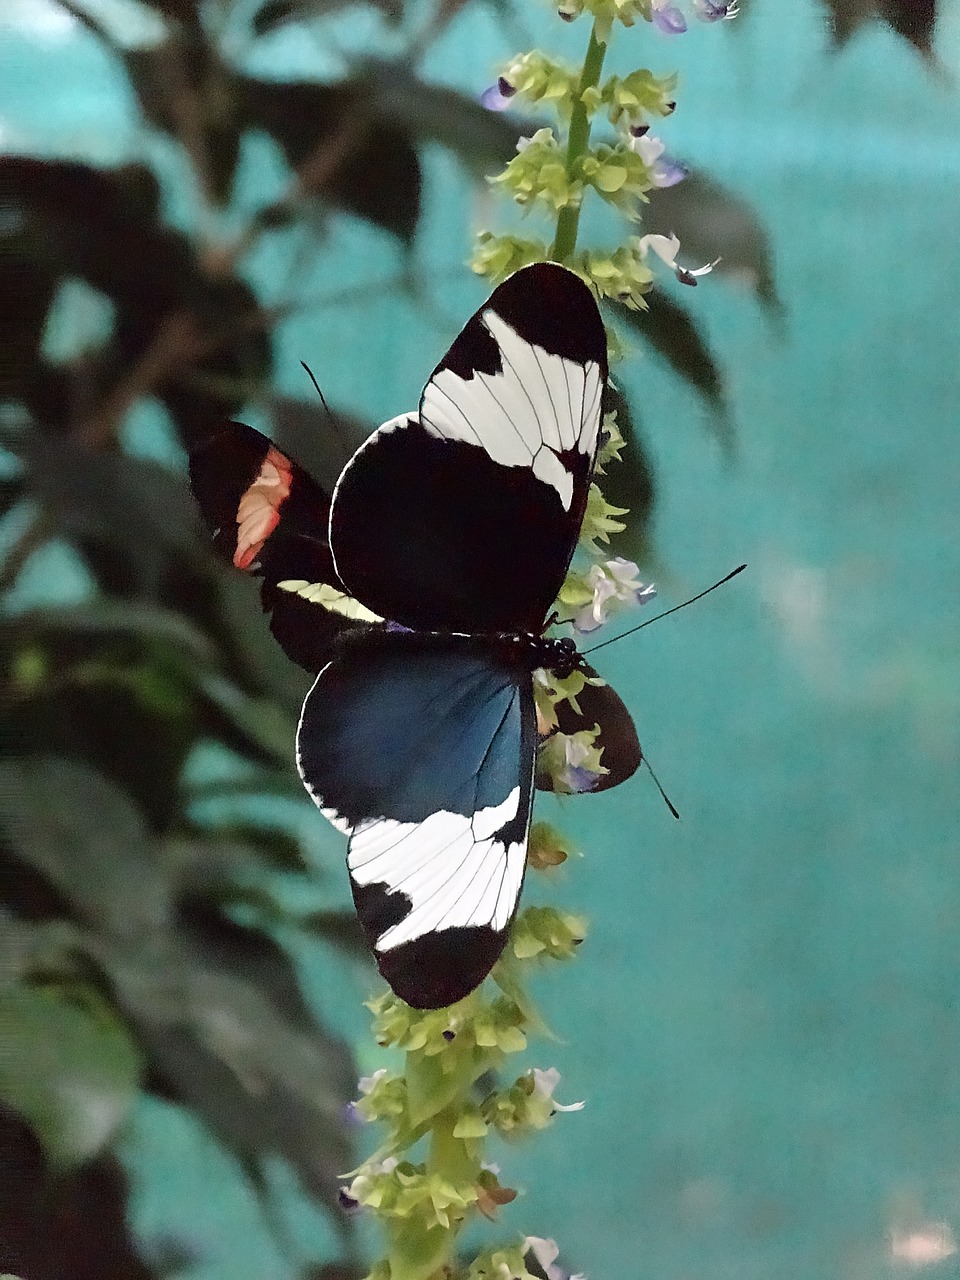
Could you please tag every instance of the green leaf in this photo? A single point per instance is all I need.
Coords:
(229, 1036)
(86, 838)
(346, 153)
(102, 621)
(68, 1066)
(484, 140)
(260, 722)
(712, 222)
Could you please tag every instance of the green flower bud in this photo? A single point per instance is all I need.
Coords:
(537, 78)
(635, 97)
(497, 257)
(612, 444)
(619, 174)
(623, 275)
(500, 1264)
(499, 1027)
(383, 1097)
(600, 520)
(544, 931)
(538, 174)
(546, 847)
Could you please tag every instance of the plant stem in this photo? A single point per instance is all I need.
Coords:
(578, 139)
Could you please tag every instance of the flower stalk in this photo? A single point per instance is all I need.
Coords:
(578, 140)
(447, 1098)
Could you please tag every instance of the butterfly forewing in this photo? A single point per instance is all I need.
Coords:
(464, 517)
(424, 755)
(269, 517)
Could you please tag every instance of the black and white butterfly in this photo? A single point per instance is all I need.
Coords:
(419, 594)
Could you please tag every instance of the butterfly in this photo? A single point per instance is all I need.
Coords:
(419, 594)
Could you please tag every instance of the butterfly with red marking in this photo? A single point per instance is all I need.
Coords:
(419, 594)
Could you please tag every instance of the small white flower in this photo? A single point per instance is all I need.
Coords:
(647, 147)
(666, 248)
(664, 172)
(544, 1083)
(546, 1253)
(614, 581)
(367, 1084)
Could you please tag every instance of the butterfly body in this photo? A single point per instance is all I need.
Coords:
(442, 548)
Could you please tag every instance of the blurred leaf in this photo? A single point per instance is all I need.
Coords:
(277, 13)
(73, 627)
(68, 1066)
(631, 484)
(260, 722)
(341, 928)
(344, 151)
(184, 88)
(132, 519)
(259, 657)
(34, 285)
(130, 723)
(711, 222)
(58, 1225)
(82, 833)
(104, 227)
(673, 334)
(225, 1039)
(484, 140)
(915, 20)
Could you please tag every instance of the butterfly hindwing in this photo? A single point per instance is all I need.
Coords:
(424, 754)
(478, 498)
(268, 516)
(601, 706)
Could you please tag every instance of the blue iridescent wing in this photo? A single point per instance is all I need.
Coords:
(423, 753)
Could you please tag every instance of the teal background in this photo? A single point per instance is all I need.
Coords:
(764, 1022)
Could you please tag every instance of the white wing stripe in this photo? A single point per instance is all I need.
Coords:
(455, 873)
(539, 401)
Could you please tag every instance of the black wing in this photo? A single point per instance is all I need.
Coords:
(269, 517)
(425, 756)
(600, 705)
(464, 517)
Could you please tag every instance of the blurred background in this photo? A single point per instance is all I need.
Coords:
(765, 1021)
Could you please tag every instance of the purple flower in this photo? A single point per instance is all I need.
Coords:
(666, 17)
(667, 173)
(664, 172)
(497, 97)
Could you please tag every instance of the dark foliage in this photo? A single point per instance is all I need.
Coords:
(915, 20)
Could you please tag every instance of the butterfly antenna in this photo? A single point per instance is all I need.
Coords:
(334, 420)
(656, 781)
(666, 613)
(323, 398)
